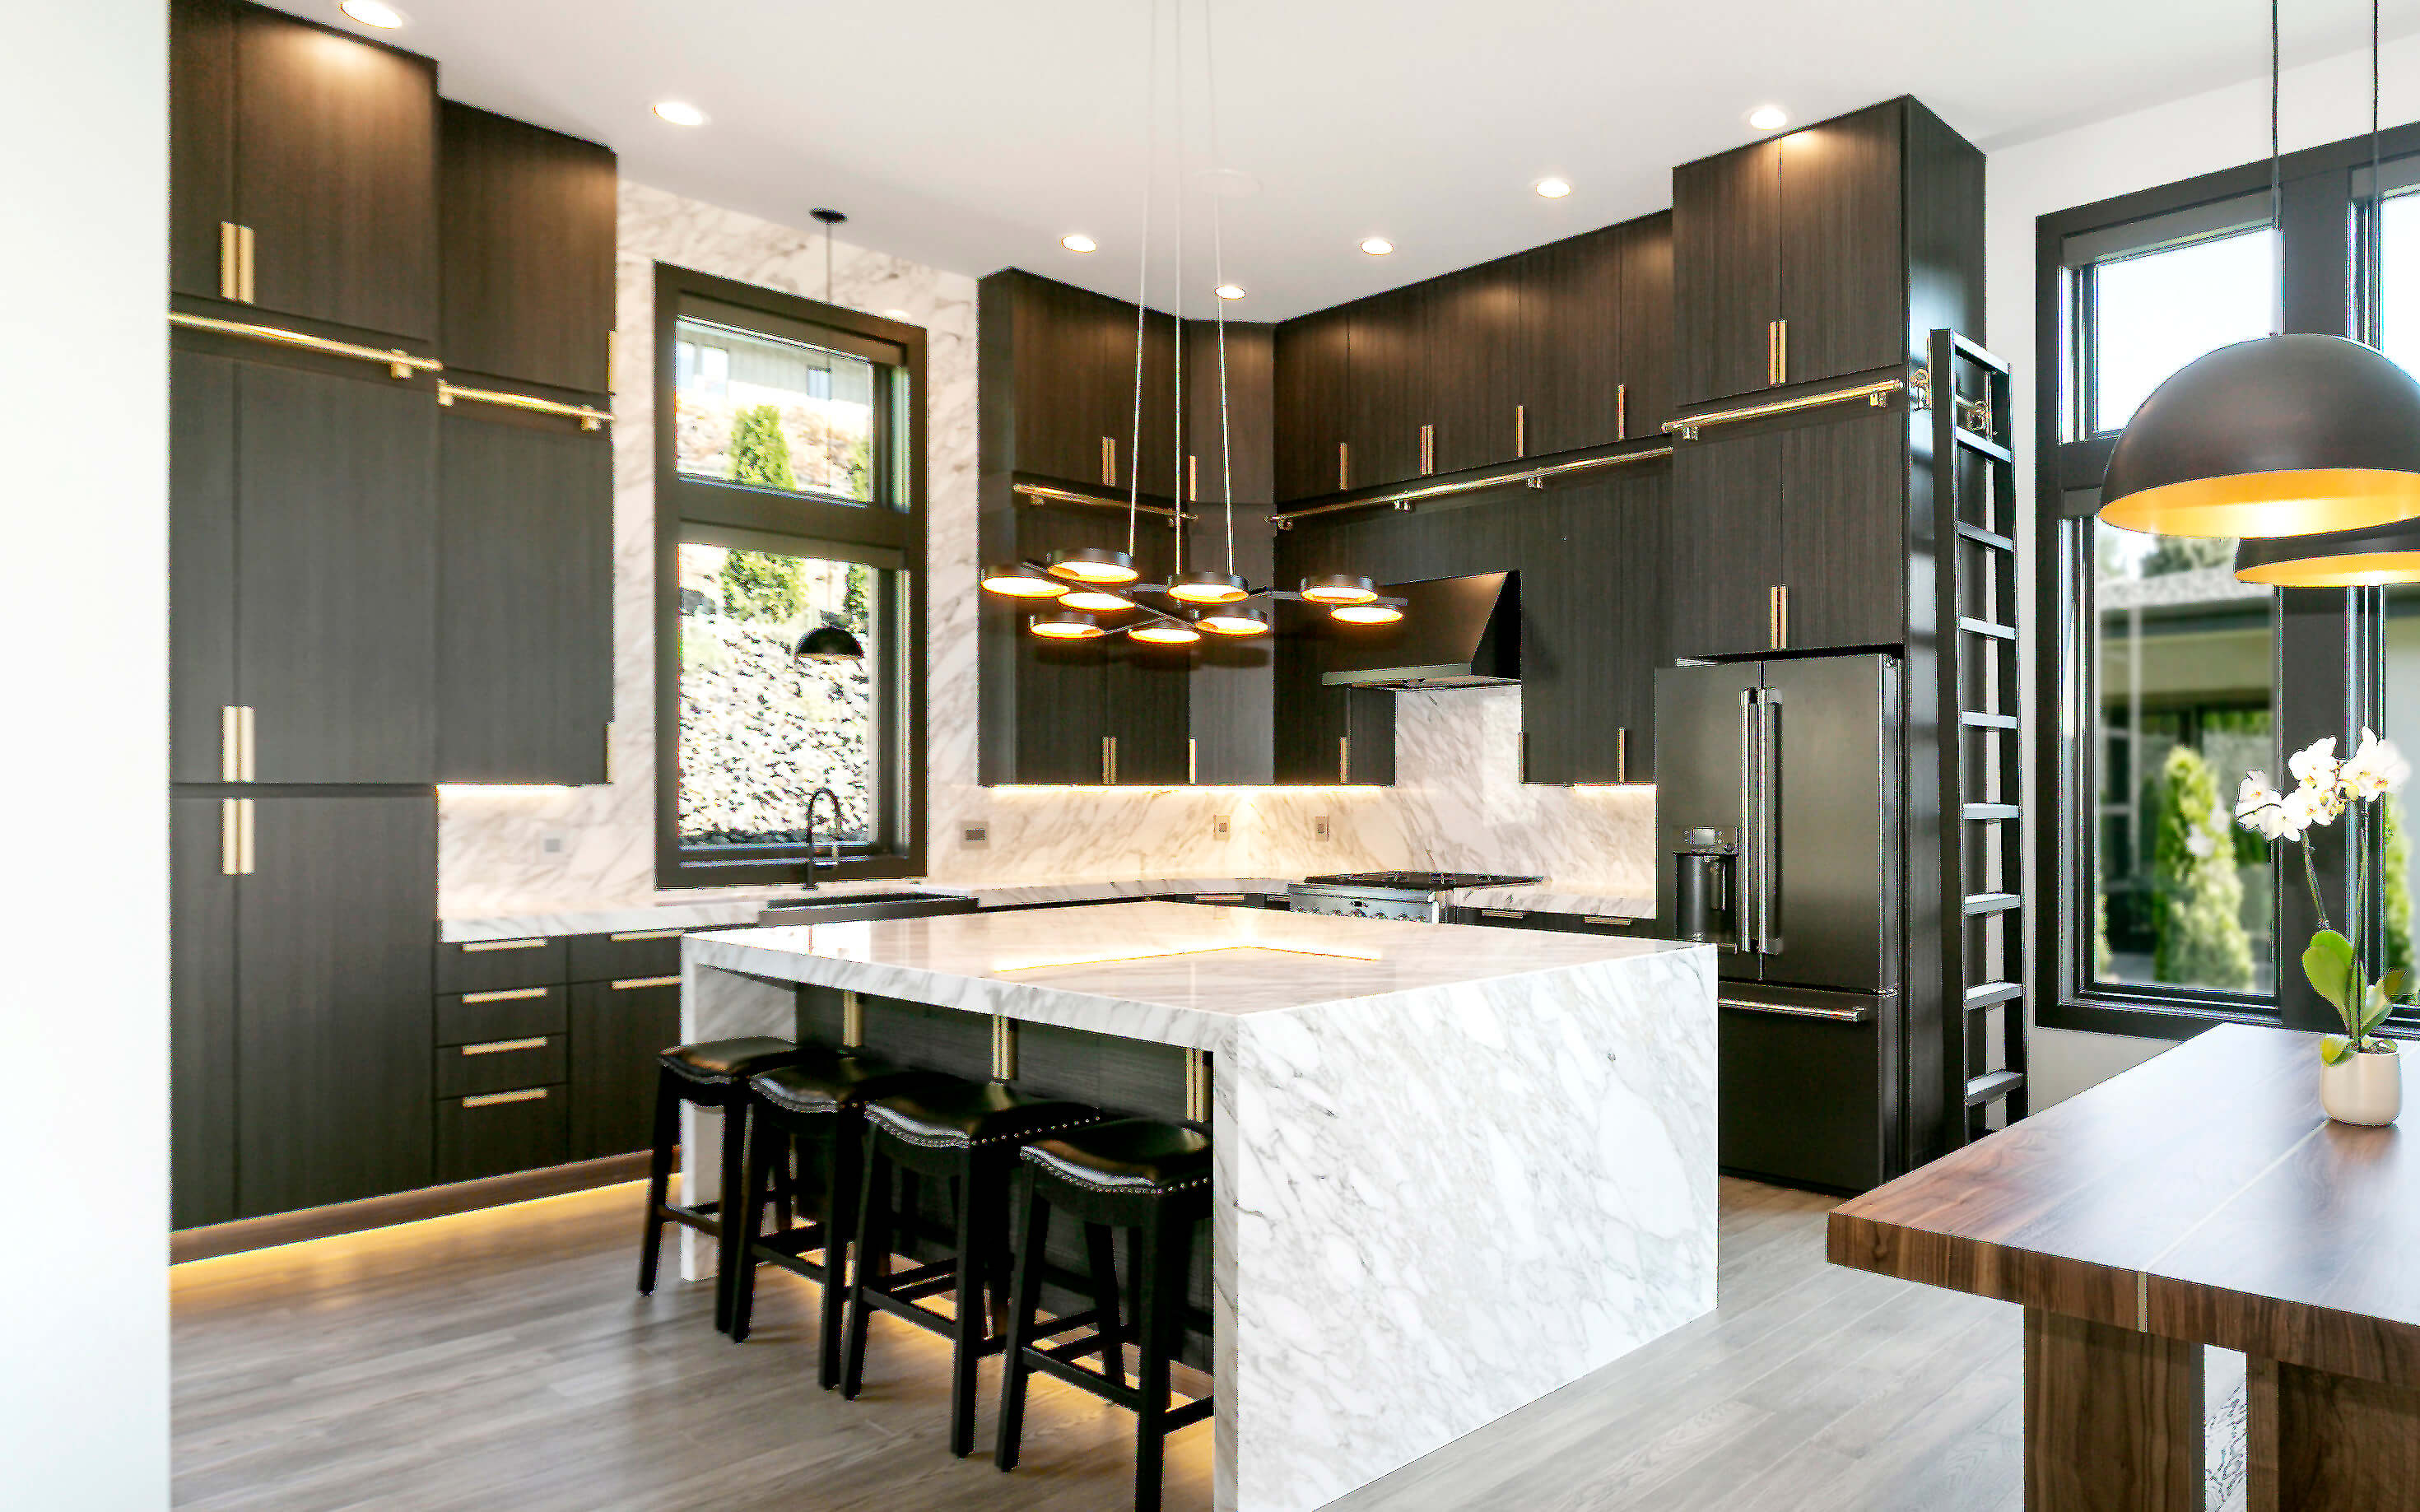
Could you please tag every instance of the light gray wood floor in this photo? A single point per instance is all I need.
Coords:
(504, 1360)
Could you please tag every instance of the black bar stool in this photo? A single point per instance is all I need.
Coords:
(969, 1132)
(813, 1103)
(711, 1074)
(1152, 1180)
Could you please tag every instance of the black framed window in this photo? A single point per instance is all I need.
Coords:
(2163, 679)
(788, 498)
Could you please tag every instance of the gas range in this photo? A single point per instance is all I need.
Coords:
(1414, 895)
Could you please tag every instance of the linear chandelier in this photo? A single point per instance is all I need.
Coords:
(1095, 591)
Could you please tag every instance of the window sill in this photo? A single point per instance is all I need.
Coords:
(2147, 1020)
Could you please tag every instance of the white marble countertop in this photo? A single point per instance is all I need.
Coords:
(1546, 898)
(1171, 973)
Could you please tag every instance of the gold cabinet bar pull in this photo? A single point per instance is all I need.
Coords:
(1344, 466)
(1520, 431)
(508, 995)
(1427, 450)
(1192, 760)
(230, 842)
(230, 262)
(625, 936)
(1621, 754)
(1611, 919)
(1781, 350)
(1344, 758)
(1197, 1086)
(481, 946)
(247, 729)
(852, 1019)
(249, 263)
(1192, 478)
(1105, 761)
(1782, 617)
(1003, 1048)
(230, 743)
(589, 419)
(247, 837)
(1622, 412)
(495, 1047)
(627, 985)
(489, 1100)
(1110, 461)
(1501, 913)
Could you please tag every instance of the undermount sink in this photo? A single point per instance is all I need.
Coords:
(847, 908)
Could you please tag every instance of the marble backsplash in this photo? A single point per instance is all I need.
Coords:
(1458, 803)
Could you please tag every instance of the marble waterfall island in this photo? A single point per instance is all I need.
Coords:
(1457, 1167)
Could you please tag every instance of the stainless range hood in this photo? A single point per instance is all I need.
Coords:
(1455, 632)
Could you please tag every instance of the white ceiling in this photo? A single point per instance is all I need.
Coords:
(971, 135)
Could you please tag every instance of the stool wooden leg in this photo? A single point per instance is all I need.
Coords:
(1025, 1305)
(785, 1184)
(735, 1235)
(1103, 1259)
(1159, 1302)
(839, 1221)
(873, 1255)
(747, 1208)
(966, 1353)
(659, 1174)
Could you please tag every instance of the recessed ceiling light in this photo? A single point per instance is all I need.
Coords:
(680, 113)
(1229, 291)
(1768, 117)
(1378, 246)
(1078, 241)
(371, 13)
(1553, 188)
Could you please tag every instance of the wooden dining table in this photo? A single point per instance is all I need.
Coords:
(2201, 1199)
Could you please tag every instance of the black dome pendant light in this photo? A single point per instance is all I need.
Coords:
(2280, 435)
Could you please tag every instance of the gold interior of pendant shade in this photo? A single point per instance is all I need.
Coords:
(1067, 626)
(2266, 505)
(2354, 569)
(1207, 593)
(1098, 601)
(1160, 632)
(1367, 614)
(1018, 583)
(1234, 622)
(1094, 565)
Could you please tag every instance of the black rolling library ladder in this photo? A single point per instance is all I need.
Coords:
(1976, 622)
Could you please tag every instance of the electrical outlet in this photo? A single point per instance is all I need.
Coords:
(1319, 828)
(975, 837)
(552, 845)
(1218, 826)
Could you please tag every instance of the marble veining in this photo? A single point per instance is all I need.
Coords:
(1458, 803)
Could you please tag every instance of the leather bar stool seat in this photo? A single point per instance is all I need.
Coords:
(968, 1133)
(1152, 1180)
(710, 1074)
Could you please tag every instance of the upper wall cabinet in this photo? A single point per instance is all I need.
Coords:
(526, 251)
(1822, 253)
(1311, 356)
(1596, 344)
(303, 170)
(1064, 360)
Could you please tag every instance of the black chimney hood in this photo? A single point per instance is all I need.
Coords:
(1455, 632)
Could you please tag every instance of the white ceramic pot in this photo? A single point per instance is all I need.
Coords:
(2362, 1088)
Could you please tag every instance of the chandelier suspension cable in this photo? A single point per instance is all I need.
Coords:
(2374, 243)
(1176, 417)
(1143, 274)
(2276, 161)
(1219, 270)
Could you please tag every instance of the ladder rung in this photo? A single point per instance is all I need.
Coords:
(1988, 721)
(1982, 537)
(1991, 903)
(1992, 994)
(1998, 632)
(1993, 1086)
(1976, 441)
(1987, 812)
(1975, 352)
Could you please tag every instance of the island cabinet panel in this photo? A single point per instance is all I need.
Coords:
(202, 1013)
(1387, 387)
(1473, 337)
(525, 631)
(1593, 629)
(323, 148)
(1313, 382)
(526, 251)
(332, 944)
(617, 1028)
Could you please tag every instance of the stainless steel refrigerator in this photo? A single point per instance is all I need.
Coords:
(1779, 840)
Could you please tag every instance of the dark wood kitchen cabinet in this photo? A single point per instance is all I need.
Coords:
(202, 891)
(303, 515)
(1058, 374)
(1824, 252)
(304, 171)
(1385, 387)
(525, 645)
(526, 236)
(617, 1028)
(1474, 332)
(1595, 348)
(1592, 628)
(1311, 386)
(1725, 544)
(1232, 682)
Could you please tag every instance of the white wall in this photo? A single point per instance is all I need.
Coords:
(84, 361)
(2322, 101)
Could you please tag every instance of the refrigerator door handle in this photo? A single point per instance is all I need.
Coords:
(1747, 895)
(1766, 817)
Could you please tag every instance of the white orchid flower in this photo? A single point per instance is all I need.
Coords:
(2376, 768)
(2315, 766)
(2254, 795)
(2305, 807)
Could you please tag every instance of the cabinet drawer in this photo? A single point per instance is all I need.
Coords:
(500, 1013)
(642, 952)
(518, 1129)
(494, 1065)
(618, 1033)
(481, 966)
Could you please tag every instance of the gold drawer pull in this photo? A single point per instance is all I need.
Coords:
(509, 994)
(1608, 919)
(1501, 913)
(479, 946)
(499, 1046)
(489, 1100)
(628, 936)
(632, 983)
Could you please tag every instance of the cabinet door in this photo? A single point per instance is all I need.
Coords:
(1726, 273)
(1386, 385)
(201, 140)
(1572, 349)
(1053, 376)
(1844, 531)
(1060, 689)
(1156, 451)
(1592, 631)
(1311, 383)
(1149, 694)
(334, 960)
(1476, 344)
(201, 1015)
(1643, 330)
(202, 562)
(1843, 263)
(336, 576)
(336, 174)
(526, 251)
(1725, 544)
(616, 1035)
(526, 599)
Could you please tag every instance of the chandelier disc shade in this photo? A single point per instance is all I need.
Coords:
(1380, 613)
(2281, 436)
(1165, 633)
(1236, 620)
(1015, 579)
(1201, 586)
(1094, 565)
(1098, 601)
(1068, 624)
(1339, 588)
